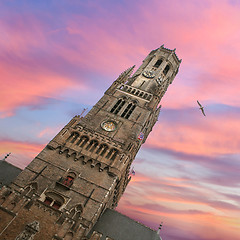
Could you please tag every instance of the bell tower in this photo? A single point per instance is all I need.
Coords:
(85, 168)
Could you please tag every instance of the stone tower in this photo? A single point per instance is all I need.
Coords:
(85, 169)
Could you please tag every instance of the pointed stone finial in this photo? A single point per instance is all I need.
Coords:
(160, 227)
(6, 157)
(162, 46)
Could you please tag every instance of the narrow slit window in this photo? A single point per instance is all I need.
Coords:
(117, 107)
(130, 111)
(114, 155)
(166, 69)
(158, 63)
(104, 150)
(126, 110)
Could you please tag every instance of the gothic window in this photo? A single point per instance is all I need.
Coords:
(92, 145)
(166, 69)
(142, 84)
(112, 154)
(76, 212)
(117, 107)
(30, 189)
(73, 137)
(102, 149)
(128, 110)
(158, 63)
(133, 91)
(82, 141)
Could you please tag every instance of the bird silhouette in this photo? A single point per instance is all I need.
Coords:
(201, 107)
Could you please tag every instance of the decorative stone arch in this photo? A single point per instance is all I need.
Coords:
(102, 149)
(79, 158)
(64, 151)
(30, 189)
(99, 166)
(112, 154)
(129, 109)
(118, 105)
(76, 212)
(92, 145)
(73, 137)
(83, 141)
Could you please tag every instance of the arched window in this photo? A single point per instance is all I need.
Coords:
(158, 63)
(76, 212)
(30, 189)
(166, 69)
(82, 141)
(112, 154)
(102, 149)
(73, 137)
(117, 107)
(92, 145)
(128, 110)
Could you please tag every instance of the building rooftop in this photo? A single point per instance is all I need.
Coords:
(8, 173)
(117, 226)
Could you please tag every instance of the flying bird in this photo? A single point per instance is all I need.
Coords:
(201, 107)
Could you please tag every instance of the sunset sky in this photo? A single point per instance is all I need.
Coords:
(58, 57)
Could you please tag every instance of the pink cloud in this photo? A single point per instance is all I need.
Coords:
(22, 153)
(199, 135)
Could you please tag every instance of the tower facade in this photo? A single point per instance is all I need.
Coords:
(85, 168)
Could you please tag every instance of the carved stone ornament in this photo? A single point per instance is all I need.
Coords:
(30, 230)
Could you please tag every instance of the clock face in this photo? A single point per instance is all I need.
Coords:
(109, 126)
(148, 74)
